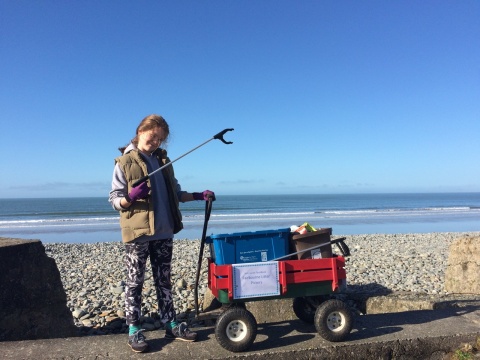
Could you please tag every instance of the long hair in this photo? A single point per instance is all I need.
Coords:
(148, 123)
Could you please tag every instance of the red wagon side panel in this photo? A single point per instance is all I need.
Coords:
(220, 277)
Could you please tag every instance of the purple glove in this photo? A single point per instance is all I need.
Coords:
(138, 192)
(206, 195)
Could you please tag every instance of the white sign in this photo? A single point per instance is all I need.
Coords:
(255, 280)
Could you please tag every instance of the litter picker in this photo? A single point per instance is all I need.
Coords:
(218, 136)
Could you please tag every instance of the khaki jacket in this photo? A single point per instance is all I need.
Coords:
(138, 219)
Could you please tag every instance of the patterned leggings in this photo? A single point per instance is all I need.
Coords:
(136, 255)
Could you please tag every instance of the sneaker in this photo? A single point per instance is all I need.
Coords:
(137, 342)
(180, 332)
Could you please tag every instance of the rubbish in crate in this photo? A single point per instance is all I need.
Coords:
(319, 240)
(302, 229)
(247, 247)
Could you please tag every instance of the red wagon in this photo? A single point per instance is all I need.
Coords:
(309, 282)
(306, 281)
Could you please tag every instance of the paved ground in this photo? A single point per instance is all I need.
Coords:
(422, 334)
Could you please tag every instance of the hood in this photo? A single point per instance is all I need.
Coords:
(129, 148)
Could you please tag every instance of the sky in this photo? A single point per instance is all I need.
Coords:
(325, 97)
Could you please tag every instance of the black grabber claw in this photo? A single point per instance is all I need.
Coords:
(219, 136)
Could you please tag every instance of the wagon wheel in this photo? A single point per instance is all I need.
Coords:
(333, 320)
(305, 307)
(236, 329)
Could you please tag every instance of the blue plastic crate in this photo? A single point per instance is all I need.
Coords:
(248, 247)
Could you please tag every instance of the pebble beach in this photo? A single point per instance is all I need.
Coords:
(93, 275)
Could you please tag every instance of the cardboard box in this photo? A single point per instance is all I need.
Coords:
(319, 239)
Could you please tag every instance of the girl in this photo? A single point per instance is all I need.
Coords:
(149, 217)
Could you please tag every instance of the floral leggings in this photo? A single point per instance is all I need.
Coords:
(136, 255)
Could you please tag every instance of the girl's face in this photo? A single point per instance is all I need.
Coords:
(150, 140)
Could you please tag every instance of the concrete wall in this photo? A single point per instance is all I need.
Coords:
(33, 304)
(462, 275)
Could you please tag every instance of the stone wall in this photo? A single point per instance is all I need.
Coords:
(33, 304)
(462, 275)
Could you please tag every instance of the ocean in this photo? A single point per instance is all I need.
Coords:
(89, 220)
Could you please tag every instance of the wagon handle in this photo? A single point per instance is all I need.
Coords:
(208, 210)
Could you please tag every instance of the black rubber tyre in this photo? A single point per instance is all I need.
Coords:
(344, 249)
(341, 246)
(305, 307)
(333, 320)
(236, 329)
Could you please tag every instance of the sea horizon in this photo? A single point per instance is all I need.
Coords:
(273, 194)
(92, 219)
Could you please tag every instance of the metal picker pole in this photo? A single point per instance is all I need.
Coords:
(218, 136)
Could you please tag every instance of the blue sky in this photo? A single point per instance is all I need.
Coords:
(324, 96)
